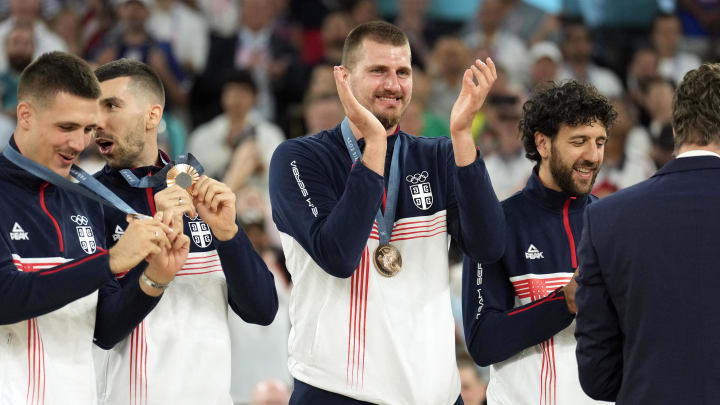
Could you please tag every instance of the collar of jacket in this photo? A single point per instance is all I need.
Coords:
(551, 199)
(140, 172)
(17, 173)
(689, 163)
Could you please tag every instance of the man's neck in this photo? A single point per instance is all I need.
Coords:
(149, 156)
(713, 147)
(546, 178)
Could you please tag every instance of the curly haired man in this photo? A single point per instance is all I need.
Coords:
(518, 311)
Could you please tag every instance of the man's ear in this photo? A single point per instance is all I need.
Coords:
(154, 117)
(24, 115)
(542, 143)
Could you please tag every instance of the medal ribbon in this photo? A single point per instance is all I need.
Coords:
(87, 185)
(385, 222)
(160, 177)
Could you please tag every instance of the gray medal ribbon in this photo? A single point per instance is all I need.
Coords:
(385, 222)
(160, 177)
(87, 185)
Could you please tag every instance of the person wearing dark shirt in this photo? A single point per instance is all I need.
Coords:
(222, 266)
(58, 291)
(518, 311)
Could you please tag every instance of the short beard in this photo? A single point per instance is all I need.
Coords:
(563, 175)
(386, 122)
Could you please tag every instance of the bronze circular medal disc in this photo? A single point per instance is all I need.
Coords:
(183, 175)
(183, 180)
(388, 260)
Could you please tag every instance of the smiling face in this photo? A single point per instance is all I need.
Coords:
(121, 134)
(571, 160)
(56, 133)
(381, 80)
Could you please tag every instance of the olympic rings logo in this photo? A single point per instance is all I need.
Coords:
(79, 219)
(417, 177)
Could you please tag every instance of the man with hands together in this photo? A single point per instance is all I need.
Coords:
(180, 354)
(58, 293)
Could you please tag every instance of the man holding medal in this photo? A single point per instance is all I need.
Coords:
(180, 354)
(58, 291)
(365, 213)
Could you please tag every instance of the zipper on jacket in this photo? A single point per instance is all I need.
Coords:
(44, 207)
(568, 231)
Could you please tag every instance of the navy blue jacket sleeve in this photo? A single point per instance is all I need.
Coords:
(475, 218)
(121, 308)
(26, 294)
(494, 329)
(251, 285)
(333, 228)
(598, 334)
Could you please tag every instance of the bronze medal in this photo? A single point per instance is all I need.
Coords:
(183, 175)
(388, 260)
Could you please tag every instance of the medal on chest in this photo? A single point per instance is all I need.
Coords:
(387, 257)
(388, 260)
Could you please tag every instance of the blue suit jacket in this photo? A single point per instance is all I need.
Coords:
(647, 328)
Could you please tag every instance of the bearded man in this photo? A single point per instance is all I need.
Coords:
(518, 311)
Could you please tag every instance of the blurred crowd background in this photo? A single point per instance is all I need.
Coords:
(241, 76)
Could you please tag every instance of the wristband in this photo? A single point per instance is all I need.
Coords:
(148, 281)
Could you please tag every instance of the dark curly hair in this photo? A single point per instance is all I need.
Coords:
(571, 103)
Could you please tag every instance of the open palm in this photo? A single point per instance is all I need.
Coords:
(472, 96)
(365, 122)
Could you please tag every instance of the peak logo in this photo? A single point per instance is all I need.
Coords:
(533, 253)
(118, 233)
(18, 233)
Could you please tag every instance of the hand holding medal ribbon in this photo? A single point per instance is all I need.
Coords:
(184, 171)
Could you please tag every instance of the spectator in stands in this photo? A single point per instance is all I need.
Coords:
(545, 60)
(186, 30)
(255, 46)
(449, 60)
(238, 144)
(222, 15)
(19, 50)
(508, 167)
(658, 103)
(28, 12)
(66, 24)
(97, 19)
(472, 383)
(322, 81)
(335, 28)
(418, 119)
(642, 69)
(666, 37)
(577, 49)
(621, 169)
(506, 48)
(131, 39)
(364, 11)
(411, 20)
(663, 149)
(322, 111)
(529, 22)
